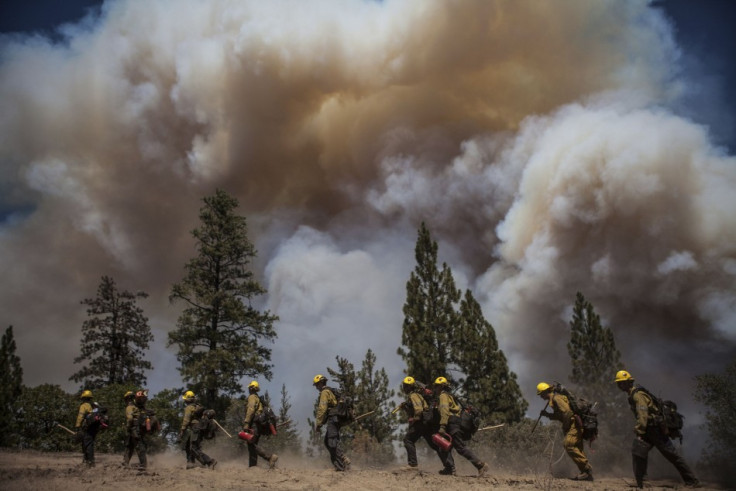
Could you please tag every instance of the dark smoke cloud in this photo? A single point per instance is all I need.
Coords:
(533, 138)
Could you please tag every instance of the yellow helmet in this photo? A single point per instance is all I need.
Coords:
(318, 378)
(86, 394)
(188, 396)
(409, 381)
(128, 395)
(623, 376)
(441, 381)
(254, 385)
(542, 387)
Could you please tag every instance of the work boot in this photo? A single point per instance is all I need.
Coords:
(693, 484)
(346, 463)
(483, 469)
(191, 465)
(272, 460)
(212, 463)
(448, 471)
(583, 476)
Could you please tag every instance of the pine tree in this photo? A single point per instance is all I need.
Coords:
(429, 314)
(11, 384)
(595, 360)
(372, 394)
(343, 378)
(486, 381)
(220, 336)
(113, 339)
(287, 437)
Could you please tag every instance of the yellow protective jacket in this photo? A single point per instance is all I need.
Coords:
(644, 409)
(561, 411)
(447, 407)
(416, 405)
(189, 418)
(327, 401)
(84, 409)
(253, 409)
(132, 414)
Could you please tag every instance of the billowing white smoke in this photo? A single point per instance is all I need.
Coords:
(534, 140)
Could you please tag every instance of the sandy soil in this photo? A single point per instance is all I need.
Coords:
(63, 471)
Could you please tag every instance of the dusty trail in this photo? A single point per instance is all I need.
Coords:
(61, 471)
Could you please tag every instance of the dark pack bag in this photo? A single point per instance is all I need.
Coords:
(148, 423)
(345, 410)
(470, 419)
(97, 420)
(582, 409)
(670, 420)
(207, 427)
(266, 420)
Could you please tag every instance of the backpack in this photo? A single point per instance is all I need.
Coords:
(670, 419)
(97, 419)
(148, 422)
(583, 409)
(207, 427)
(344, 410)
(266, 420)
(470, 419)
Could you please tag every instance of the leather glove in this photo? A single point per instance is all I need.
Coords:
(411, 421)
(317, 427)
(443, 431)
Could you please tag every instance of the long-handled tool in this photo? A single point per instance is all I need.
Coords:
(491, 427)
(283, 423)
(540, 417)
(223, 429)
(65, 429)
(364, 415)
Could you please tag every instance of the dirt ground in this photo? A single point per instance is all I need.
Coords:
(30, 470)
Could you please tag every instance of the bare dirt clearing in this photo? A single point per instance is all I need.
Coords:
(62, 471)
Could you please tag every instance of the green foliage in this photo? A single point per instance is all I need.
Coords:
(485, 381)
(113, 339)
(374, 433)
(11, 384)
(429, 314)
(37, 411)
(718, 393)
(219, 334)
(287, 437)
(517, 449)
(595, 359)
(167, 406)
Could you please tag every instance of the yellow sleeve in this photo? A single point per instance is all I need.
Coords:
(252, 409)
(444, 407)
(561, 407)
(642, 402)
(326, 400)
(84, 409)
(188, 412)
(418, 404)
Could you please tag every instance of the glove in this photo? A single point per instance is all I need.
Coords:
(411, 421)
(317, 427)
(179, 437)
(443, 431)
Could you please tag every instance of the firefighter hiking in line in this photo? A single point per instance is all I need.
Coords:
(649, 433)
(571, 428)
(85, 434)
(449, 411)
(420, 419)
(134, 441)
(327, 416)
(252, 424)
(189, 434)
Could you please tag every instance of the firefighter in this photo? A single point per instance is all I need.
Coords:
(85, 434)
(571, 428)
(251, 424)
(649, 433)
(132, 429)
(449, 411)
(420, 416)
(189, 434)
(327, 416)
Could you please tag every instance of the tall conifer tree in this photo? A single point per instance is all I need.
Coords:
(114, 339)
(220, 335)
(11, 384)
(373, 394)
(429, 313)
(486, 380)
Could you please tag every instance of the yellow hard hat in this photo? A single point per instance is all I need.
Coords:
(542, 387)
(254, 385)
(86, 394)
(188, 395)
(623, 376)
(409, 381)
(128, 395)
(318, 378)
(441, 381)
